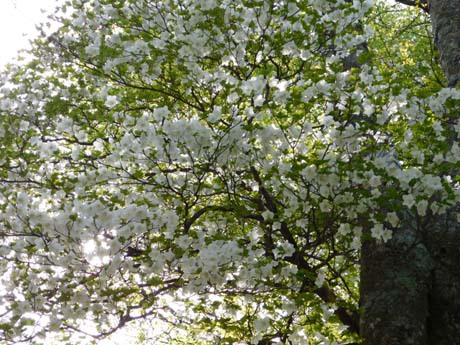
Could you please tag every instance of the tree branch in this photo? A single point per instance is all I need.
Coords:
(422, 4)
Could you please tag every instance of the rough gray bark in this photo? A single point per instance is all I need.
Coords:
(395, 284)
(443, 243)
(445, 19)
(410, 286)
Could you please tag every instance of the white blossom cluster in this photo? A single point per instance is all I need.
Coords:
(210, 164)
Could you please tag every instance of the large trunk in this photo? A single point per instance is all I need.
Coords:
(410, 286)
(445, 19)
(395, 285)
(442, 241)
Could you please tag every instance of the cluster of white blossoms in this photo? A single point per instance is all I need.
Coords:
(177, 150)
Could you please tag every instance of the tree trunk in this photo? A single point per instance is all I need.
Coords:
(410, 286)
(445, 19)
(443, 324)
(395, 285)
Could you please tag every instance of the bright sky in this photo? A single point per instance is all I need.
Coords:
(17, 24)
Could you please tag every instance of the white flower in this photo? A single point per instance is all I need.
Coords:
(379, 233)
(422, 205)
(408, 200)
(207, 5)
(344, 229)
(259, 100)
(261, 325)
(319, 282)
(356, 243)
(111, 101)
(393, 219)
(215, 115)
(386, 235)
(309, 173)
(160, 113)
(93, 49)
(267, 215)
(232, 98)
(375, 181)
(284, 249)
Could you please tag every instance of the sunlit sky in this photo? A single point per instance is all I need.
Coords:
(17, 24)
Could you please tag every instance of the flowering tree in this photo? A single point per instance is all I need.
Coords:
(214, 167)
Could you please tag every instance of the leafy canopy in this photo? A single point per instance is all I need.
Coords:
(212, 166)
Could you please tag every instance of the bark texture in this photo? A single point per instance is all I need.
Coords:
(445, 19)
(410, 286)
(395, 285)
(443, 243)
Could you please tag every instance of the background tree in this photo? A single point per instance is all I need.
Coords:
(216, 165)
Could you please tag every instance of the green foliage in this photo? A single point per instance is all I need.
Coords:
(207, 170)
